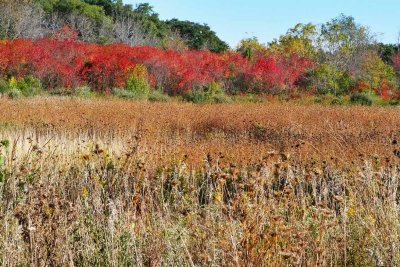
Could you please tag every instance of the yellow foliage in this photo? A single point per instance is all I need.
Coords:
(13, 82)
(138, 71)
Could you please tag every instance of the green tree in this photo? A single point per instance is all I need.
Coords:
(47, 5)
(149, 20)
(249, 46)
(78, 7)
(98, 21)
(110, 7)
(198, 36)
(343, 43)
(375, 71)
(327, 80)
(299, 40)
(386, 51)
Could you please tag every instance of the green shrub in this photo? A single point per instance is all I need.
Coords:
(158, 96)
(62, 91)
(123, 93)
(338, 101)
(394, 102)
(138, 86)
(328, 79)
(14, 93)
(4, 86)
(83, 91)
(137, 82)
(211, 93)
(362, 98)
(214, 89)
(155, 96)
(329, 99)
(222, 98)
(249, 98)
(197, 96)
(29, 86)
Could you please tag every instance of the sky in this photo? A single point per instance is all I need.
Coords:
(234, 20)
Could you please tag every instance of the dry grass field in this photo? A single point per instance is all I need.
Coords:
(120, 183)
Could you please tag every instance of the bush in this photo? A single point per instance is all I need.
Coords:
(137, 82)
(222, 98)
(29, 86)
(362, 98)
(138, 86)
(328, 79)
(197, 96)
(330, 99)
(155, 96)
(338, 101)
(212, 93)
(214, 89)
(83, 91)
(249, 98)
(14, 93)
(123, 93)
(4, 86)
(158, 96)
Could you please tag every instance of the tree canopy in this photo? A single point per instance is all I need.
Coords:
(198, 36)
(107, 21)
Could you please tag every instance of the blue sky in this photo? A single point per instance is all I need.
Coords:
(233, 20)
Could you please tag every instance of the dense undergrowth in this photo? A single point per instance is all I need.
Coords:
(63, 66)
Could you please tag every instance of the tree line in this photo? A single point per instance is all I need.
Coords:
(104, 22)
(337, 58)
(347, 56)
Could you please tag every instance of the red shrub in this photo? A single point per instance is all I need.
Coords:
(106, 67)
(385, 90)
(275, 73)
(361, 86)
(65, 62)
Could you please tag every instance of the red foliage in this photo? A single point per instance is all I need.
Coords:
(385, 90)
(266, 73)
(274, 73)
(106, 67)
(64, 62)
(396, 95)
(360, 86)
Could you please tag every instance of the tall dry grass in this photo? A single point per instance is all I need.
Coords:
(115, 183)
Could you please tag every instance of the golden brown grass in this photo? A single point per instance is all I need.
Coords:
(117, 183)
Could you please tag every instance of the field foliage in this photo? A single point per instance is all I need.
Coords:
(120, 183)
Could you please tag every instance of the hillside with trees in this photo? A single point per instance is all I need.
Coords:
(103, 22)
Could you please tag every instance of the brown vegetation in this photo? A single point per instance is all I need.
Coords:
(119, 183)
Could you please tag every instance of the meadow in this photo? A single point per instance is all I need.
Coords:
(108, 182)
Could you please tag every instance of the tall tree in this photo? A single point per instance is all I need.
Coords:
(149, 20)
(110, 7)
(299, 40)
(20, 19)
(343, 43)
